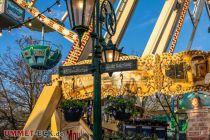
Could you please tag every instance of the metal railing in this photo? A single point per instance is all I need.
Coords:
(33, 42)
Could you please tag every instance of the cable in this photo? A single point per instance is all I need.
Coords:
(31, 19)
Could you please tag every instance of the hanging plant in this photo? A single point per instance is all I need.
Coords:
(73, 109)
(121, 107)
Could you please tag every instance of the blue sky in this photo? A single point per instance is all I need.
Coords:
(136, 35)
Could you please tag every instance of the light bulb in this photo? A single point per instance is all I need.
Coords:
(110, 57)
(1, 33)
(80, 5)
(29, 24)
(40, 18)
(58, 3)
(49, 11)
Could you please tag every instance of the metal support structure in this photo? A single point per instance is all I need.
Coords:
(191, 16)
(64, 17)
(43, 26)
(172, 104)
(97, 124)
(163, 29)
(124, 12)
(167, 34)
(207, 3)
(98, 43)
(32, 3)
(68, 34)
(179, 26)
(197, 15)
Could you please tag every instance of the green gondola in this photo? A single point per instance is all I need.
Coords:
(41, 57)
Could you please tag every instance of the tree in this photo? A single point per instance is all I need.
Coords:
(20, 87)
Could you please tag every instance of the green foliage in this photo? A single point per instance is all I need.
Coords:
(173, 123)
(73, 104)
(183, 125)
(122, 104)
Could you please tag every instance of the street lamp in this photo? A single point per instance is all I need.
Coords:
(80, 14)
(110, 53)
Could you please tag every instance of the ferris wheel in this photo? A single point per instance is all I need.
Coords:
(166, 33)
(42, 23)
(169, 23)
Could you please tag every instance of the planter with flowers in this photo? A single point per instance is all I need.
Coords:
(121, 107)
(73, 109)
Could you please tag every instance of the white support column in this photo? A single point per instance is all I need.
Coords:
(64, 17)
(198, 13)
(165, 21)
(168, 32)
(124, 19)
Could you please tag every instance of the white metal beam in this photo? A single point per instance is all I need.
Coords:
(64, 16)
(68, 34)
(167, 34)
(200, 5)
(165, 21)
(31, 4)
(123, 20)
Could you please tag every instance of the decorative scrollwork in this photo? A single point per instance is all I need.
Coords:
(171, 75)
(108, 14)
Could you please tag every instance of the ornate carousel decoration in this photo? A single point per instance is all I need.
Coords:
(179, 74)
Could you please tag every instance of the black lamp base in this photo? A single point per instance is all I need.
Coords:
(80, 30)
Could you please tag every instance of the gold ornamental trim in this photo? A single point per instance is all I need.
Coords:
(181, 73)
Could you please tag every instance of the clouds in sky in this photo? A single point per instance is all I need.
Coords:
(143, 24)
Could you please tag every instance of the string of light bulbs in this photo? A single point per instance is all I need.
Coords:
(29, 20)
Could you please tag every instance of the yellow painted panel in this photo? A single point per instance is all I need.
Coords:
(39, 118)
(56, 123)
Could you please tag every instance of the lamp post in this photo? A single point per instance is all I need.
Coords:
(80, 14)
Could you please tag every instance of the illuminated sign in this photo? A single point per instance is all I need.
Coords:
(76, 50)
(14, 11)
